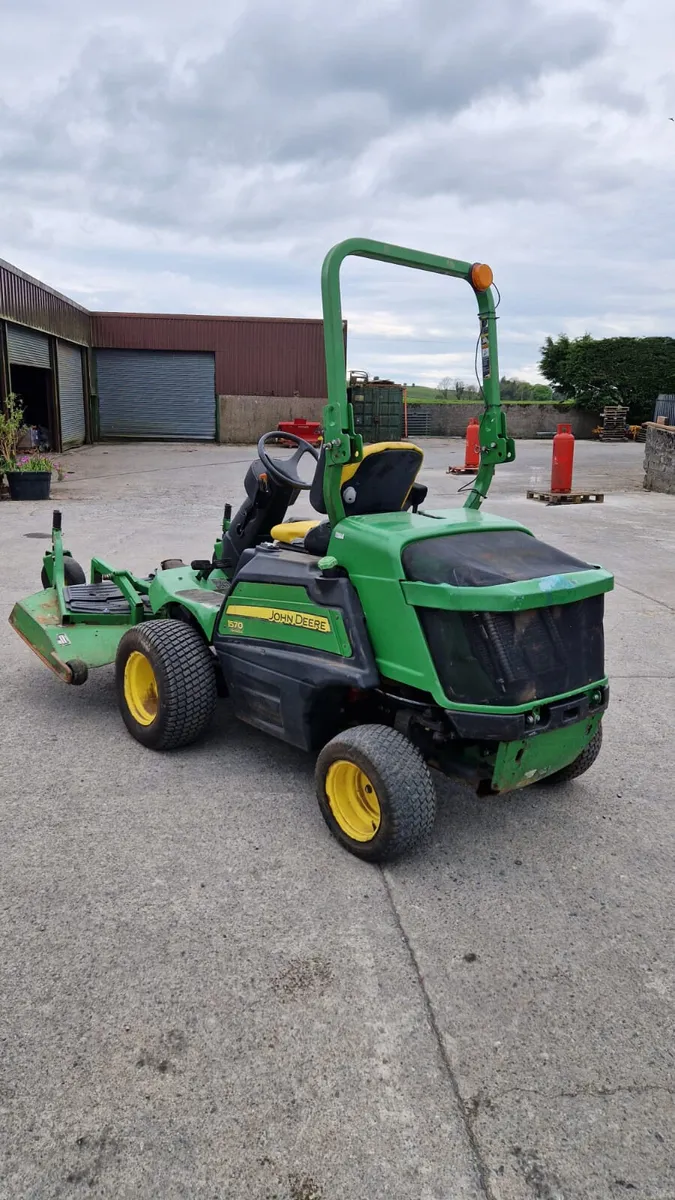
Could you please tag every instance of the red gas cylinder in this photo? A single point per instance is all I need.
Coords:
(562, 466)
(472, 449)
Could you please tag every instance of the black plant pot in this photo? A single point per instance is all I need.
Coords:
(29, 485)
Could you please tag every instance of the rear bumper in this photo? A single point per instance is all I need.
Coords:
(540, 719)
(518, 764)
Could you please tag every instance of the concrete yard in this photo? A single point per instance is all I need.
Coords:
(202, 995)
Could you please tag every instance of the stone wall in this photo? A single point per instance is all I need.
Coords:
(523, 420)
(660, 459)
(244, 419)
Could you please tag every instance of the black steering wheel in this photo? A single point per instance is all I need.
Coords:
(286, 470)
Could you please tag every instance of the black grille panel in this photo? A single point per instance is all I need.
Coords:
(511, 658)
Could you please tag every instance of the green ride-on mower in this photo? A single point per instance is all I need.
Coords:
(388, 636)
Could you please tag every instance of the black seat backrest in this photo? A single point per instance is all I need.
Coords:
(266, 503)
(380, 482)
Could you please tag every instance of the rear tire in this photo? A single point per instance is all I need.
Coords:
(72, 571)
(166, 684)
(375, 792)
(581, 764)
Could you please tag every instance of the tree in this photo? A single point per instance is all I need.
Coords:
(541, 393)
(520, 389)
(444, 387)
(554, 365)
(595, 372)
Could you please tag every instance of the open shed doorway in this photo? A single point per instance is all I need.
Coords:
(35, 388)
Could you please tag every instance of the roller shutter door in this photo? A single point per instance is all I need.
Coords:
(27, 347)
(156, 394)
(71, 394)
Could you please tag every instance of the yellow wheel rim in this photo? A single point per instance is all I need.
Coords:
(140, 688)
(353, 800)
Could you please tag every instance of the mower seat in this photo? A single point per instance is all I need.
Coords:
(382, 481)
(289, 532)
(264, 508)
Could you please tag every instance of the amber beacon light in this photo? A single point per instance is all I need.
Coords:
(481, 276)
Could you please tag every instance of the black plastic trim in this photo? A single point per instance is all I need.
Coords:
(296, 692)
(513, 727)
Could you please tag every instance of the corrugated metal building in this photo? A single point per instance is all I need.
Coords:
(44, 357)
(254, 356)
(88, 375)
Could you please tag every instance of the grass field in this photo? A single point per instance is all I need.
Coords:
(428, 395)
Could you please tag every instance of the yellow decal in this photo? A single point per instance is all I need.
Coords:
(278, 616)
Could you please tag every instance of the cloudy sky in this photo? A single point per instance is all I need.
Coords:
(158, 155)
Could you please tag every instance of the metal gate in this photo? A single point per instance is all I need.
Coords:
(27, 347)
(156, 394)
(419, 418)
(71, 394)
(665, 407)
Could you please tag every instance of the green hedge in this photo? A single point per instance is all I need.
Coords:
(596, 372)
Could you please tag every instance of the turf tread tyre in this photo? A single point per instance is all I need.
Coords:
(581, 764)
(72, 571)
(402, 781)
(186, 682)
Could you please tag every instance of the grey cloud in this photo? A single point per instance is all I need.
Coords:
(304, 122)
(292, 85)
(539, 163)
(608, 92)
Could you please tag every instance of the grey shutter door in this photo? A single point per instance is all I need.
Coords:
(27, 347)
(71, 394)
(155, 393)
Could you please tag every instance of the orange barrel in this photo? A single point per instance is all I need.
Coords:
(472, 449)
(562, 465)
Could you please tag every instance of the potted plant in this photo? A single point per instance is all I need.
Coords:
(29, 476)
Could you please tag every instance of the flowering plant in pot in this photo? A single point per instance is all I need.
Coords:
(29, 476)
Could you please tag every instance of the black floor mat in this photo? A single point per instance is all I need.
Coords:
(96, 597)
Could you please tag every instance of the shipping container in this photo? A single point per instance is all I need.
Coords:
(378, 408)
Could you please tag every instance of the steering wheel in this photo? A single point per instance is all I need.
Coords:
(286, 470)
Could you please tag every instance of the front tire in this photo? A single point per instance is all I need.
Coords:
(72, 572)
(166, 684)
(581, 764)
(375, 792)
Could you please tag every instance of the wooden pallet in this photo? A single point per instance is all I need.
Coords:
(568, 497)
(462, 471)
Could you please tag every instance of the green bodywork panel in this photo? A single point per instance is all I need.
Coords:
(279, 613)
(181, 585)
(510, 597)
(518, 764)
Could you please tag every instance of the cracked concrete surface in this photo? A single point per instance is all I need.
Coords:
(202, 995)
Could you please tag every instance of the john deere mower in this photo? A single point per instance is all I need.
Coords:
(387, 636)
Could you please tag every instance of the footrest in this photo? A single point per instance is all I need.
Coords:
(95, 598)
